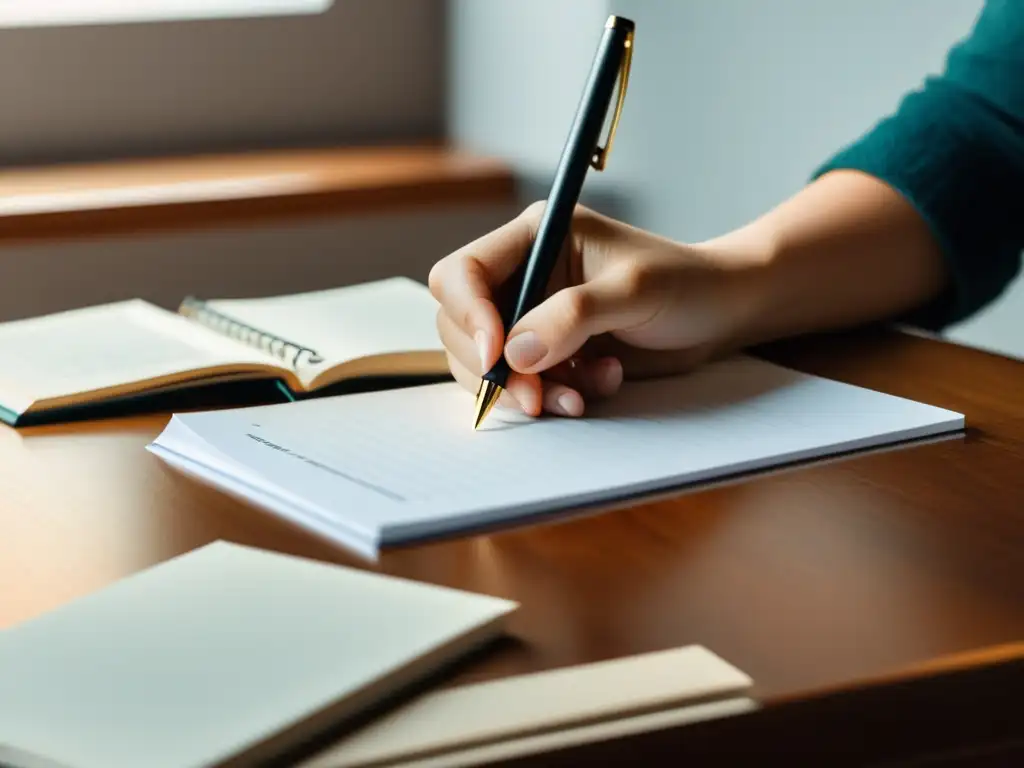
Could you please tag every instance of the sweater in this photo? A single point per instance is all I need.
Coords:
(954, 149)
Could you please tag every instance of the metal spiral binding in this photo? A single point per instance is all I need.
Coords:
(198, 310)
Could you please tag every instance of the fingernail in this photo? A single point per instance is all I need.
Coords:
(525, 350)
(481, 345)
(608, 377)
(521, 398)
(569, 404)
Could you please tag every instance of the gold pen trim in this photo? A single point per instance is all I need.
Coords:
(486, 397)
(600, 157)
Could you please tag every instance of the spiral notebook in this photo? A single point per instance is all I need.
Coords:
(83, 361)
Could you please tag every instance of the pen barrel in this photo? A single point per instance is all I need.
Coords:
(580, 146)
(578, 153)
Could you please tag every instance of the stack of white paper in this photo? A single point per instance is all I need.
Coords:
(385, 468)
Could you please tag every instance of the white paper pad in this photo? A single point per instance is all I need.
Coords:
(385, 468)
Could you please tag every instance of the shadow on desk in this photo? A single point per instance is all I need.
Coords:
(966, 715)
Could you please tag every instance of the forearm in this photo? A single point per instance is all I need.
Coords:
(850, 249)
(844, 251)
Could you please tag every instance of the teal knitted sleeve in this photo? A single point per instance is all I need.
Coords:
(954, 148)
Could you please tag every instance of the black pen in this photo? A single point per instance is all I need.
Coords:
(581, 151)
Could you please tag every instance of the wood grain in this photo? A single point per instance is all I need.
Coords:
(810, 580)
(110, 198)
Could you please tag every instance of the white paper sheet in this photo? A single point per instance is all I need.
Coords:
(382, 468)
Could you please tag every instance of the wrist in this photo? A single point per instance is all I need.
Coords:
(751, 259)
(844, 251)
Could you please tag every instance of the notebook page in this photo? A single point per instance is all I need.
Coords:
(407, 461)
(96, 347)
(388, 316)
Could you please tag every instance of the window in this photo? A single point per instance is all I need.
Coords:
(36, 13)
(362, 70)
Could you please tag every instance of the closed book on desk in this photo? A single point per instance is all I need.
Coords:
(225, 655)
(104, 359)
(487, 722)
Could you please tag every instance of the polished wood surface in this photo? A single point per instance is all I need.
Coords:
(809, 579)
(108, 198)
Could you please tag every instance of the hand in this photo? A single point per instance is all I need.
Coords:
(622, 303)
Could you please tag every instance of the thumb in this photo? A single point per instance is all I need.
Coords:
(557, 328)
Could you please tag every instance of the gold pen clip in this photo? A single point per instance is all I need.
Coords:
(600, 157)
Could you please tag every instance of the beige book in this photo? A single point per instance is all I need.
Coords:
(226, 655)
(73, 361)
(546, 709)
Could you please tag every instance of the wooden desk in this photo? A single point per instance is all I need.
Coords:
(809, 580)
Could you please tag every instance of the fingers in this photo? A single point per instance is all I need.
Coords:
(593, 379)
(464, 282)
(531, 393)
(562, 390)
(558, 327)
(552, 397)
(522, 391)
(473, 334)
(465, 295)
(562, 400)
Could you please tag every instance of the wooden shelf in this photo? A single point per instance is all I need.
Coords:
(76, 201)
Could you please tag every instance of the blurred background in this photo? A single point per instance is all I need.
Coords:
(732, 104)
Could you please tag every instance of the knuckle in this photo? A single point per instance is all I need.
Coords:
(633, 278)
(435, 279)
(533, 212)
(578, 307)
(588, 225)
(469, 316)
(582, 213)
(467, 319)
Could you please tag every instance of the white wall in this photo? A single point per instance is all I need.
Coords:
(250, 261)
(732, 103)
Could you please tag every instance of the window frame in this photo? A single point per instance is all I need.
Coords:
(18, 14)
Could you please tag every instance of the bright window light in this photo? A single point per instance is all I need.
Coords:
(48, 13)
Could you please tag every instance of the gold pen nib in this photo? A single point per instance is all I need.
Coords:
(486, 397)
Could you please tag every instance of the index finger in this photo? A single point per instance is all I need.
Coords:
(465, 281)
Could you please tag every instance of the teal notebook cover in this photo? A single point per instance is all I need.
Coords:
(235, 394)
